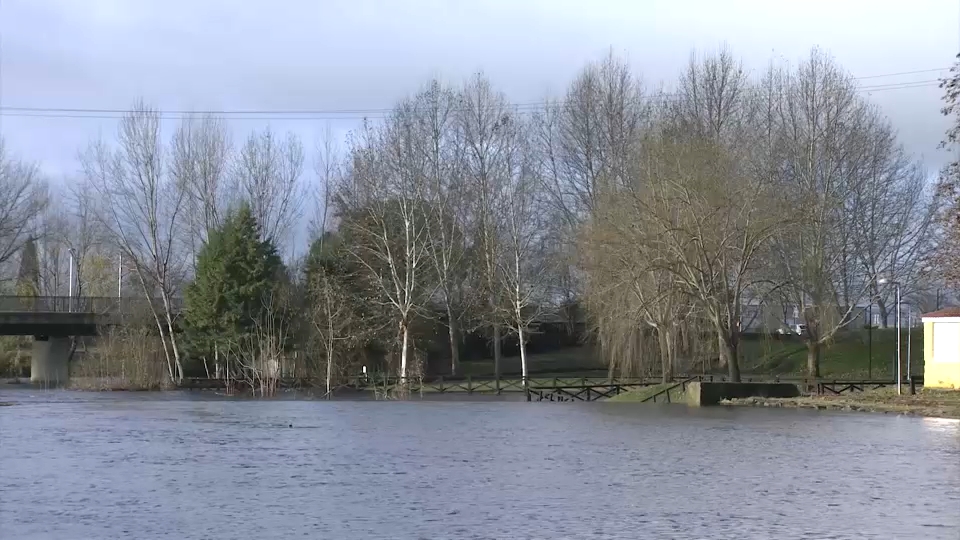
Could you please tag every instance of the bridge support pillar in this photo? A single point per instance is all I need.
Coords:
(49, 363)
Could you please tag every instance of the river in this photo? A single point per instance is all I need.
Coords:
(124, 465)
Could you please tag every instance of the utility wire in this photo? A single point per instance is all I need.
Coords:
(357, 114)
(902, 73)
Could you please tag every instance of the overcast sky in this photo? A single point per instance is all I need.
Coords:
(365, 54)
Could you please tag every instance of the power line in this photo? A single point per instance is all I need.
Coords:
(895, 86)
(372, 113)
(902, 73)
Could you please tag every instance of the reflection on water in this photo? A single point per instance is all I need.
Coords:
(121, 465)
(942, 425)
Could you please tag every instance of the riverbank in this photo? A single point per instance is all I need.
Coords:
(941, 404)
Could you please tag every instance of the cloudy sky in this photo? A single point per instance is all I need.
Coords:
(334, 55)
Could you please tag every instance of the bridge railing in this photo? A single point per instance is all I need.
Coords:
(80, 304)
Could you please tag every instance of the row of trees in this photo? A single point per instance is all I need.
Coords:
(654, 218)
(789, 188)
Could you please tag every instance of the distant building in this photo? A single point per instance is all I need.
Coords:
(774, 317)
(941, 349)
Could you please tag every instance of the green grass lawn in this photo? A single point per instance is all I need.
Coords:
(847, 357)
(569, 362)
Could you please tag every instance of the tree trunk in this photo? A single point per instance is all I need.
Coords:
(166, 353)
(496, 356)
(813, 358)
(174, 377)
(731, 348)
(403, 354)
(329, 366)
(176, 350)
(523, 356)
(454, 331)
(723, 360)
(666, 355)
(884, 313)
(570, 320)
(167, 309)
(330, 308)
(722, 352)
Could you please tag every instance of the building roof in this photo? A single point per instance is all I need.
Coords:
(943, 313)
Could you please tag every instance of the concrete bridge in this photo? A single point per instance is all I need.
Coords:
(54, 320)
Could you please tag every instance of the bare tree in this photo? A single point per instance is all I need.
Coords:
(142, 211)
(24, 198)
(200, 159)
(819, 117)
(588, 139)
(70, 234)
(584, 141)
(712, 101)
(334, 316)
(85, 237)
(327, 168)
(385, 224)
(335, 320)
(444, 194)
(257, 357)
(891, 214)
(487, 128)
(522, 269)
(53, 227)
(636, 308)
(723, 208)
(710, 225)
(268, 173)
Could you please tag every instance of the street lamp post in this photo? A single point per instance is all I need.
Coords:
(70, 283)
(897, 285)
(870, 341)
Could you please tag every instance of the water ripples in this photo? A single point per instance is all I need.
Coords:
(187, 466)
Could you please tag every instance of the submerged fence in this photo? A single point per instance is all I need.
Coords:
(83, 304)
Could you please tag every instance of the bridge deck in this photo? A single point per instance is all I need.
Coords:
(81, 304)
(68, 316)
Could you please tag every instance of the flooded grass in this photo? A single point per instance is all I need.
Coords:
(936, 403)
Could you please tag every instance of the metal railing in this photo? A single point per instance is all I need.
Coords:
(81, 304)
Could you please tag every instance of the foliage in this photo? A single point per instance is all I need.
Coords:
(237, 272)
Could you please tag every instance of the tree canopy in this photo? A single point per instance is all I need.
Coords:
(237, 272)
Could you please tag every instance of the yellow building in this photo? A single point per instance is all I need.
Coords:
(941, 349)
